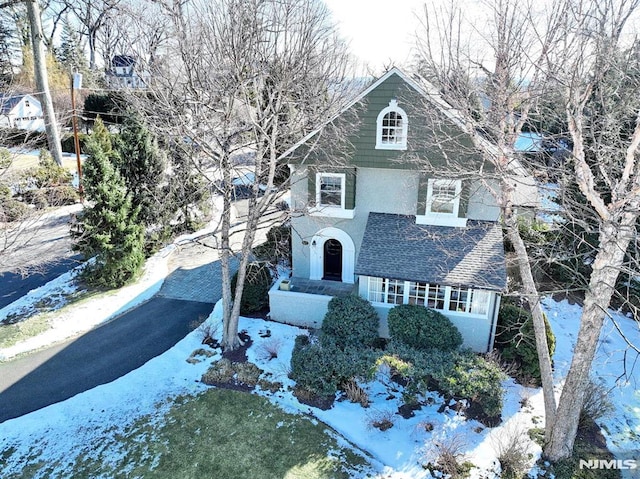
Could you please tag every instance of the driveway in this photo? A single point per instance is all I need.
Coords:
(115, 348)
(97, 357)
(14, 285)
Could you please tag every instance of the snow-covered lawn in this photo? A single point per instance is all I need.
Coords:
(58, 433)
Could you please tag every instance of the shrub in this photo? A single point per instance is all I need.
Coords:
(476, 379)
(447, 456)
(255, 294)
(52, 196)
(596, 404)
(423, 328)
(512, 451)
(68, 143)
(12, 210)
(323, 369)
(515, 339)
(277, 248)
(350, 322)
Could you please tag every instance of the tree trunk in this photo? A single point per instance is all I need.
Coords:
(42, 82)
(614, 240)
(542, 347)
(230, 339)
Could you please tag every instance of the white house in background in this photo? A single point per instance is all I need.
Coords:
(125, 73)
(21, 111)
(392, 229)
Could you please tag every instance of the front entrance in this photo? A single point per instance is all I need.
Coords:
(332, 260)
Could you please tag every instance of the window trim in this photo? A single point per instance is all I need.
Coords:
(393, 107)
(343, 184)
(384, 291)
(432, 184)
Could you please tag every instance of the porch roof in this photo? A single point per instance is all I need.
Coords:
(395, 247)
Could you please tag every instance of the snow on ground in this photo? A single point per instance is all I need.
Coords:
(78, 318)
(616, 366)
(84, 315)
(64, 430)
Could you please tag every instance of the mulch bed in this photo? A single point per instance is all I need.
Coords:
(239, 355)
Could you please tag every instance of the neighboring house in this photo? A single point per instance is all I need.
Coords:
(392, 229)
(124, 73)
(21, 111)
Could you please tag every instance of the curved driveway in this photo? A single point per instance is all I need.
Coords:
(119, 346)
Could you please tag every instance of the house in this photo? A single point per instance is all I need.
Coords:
(21, 111)
(123, 73)
(393, 217)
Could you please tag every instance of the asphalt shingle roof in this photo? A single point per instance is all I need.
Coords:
(395, 247)
(8, 102)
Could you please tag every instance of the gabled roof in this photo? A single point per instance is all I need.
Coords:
(123, 61)
(395, 247)
(8, 102)
(358, 98)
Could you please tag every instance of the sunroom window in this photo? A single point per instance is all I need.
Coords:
(434, 296)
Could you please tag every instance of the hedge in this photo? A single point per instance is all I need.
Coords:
(515, 339)
(423, 328)
(255, 294)
(350, 322)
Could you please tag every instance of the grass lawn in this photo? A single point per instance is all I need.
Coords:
(21, 162)
(11, 334)
(218, 434)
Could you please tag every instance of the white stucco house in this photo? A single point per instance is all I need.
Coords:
(125, 72)
(388, 217)
(21, 111)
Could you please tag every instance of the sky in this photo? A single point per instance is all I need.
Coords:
(379, 32)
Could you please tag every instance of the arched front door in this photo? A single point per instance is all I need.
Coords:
(332, 260)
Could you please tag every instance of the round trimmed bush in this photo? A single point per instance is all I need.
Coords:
(255, 295)
(323, 369)
(350, 322)
(515, 339)
(423, 328)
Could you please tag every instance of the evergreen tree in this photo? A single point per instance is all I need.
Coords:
(111, 233)
(142, 164)
(188, 193)
(8, 51)
(70, 54)
(100, 140)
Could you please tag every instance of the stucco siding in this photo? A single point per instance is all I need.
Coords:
(379, 190)
(298, 309)
(476, 332)
(482, 203)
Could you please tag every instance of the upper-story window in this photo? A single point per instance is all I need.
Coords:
(443, 197)
(27, 104)
(330, 190)
(392, 126)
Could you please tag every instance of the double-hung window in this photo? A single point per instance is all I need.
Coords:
(330, 190)
(443, 197)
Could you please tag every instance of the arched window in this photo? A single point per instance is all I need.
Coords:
(392, 126)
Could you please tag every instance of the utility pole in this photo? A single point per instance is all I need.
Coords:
(76, 84)
(42, 82)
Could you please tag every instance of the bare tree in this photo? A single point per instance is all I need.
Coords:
(599, 76)
(465, 79)
(578, 47)
(92, 16)
(138, 30)
(245, 80)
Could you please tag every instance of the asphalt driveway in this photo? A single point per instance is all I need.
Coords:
(97, 357)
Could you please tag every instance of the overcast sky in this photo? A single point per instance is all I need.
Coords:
(379, 32)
